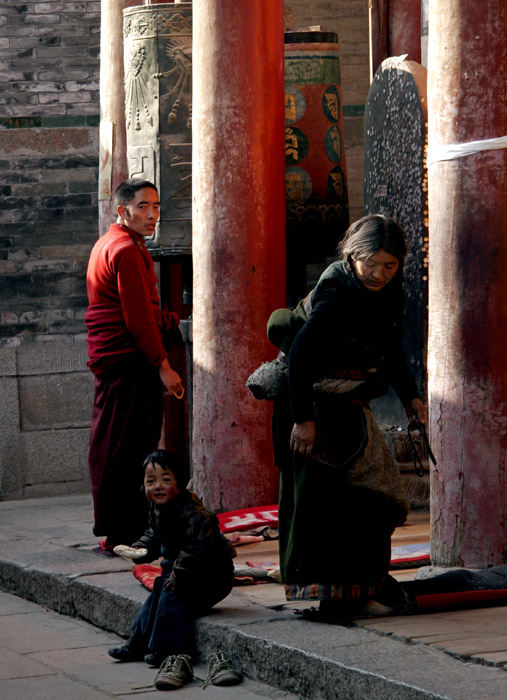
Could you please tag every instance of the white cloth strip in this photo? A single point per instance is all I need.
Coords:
(459, 150)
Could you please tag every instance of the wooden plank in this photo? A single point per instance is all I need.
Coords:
(499, 657)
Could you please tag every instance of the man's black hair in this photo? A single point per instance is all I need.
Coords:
(126, 192)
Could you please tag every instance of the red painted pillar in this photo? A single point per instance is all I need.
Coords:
(467, 285)
(395, 29)
(238, 242)
(379, 33)
(405, 29)
(113, 139)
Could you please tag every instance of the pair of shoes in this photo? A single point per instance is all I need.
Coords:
(174, 672)
(220, 671)
(126, 653)
(154, 660)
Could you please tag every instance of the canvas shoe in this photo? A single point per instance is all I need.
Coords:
(220, 671)
(174, 672)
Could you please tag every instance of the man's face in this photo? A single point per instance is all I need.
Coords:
(141, 213)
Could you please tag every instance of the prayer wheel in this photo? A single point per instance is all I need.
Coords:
(158, 114)
(316, 175)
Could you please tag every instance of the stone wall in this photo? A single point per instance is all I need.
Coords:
(49, 117)
(49, 109)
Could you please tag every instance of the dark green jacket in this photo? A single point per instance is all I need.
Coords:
(351, 333)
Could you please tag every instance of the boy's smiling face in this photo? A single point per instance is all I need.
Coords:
(160, 484)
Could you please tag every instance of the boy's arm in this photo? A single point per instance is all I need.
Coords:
(152, 543)
(199, 535)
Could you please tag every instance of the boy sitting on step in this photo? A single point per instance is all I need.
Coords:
(197, 568)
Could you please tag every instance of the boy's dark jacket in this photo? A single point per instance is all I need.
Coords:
(188, 538)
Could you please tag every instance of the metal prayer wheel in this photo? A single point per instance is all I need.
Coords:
(158, 114)
(316, 176)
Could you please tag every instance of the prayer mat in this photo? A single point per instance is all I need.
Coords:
(410, 556)
(146, 574)
(457, 589)
(243, 575)
(248, 518)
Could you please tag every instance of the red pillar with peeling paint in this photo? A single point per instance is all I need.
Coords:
(238, 242)
(468, 285)
(113, 147)
(405, 29)
(395, 29)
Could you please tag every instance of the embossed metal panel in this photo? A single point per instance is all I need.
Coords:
(158, 112)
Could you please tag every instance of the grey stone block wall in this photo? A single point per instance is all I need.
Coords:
(48, 224)
(46, 394)
(49, 117)
(49, 58)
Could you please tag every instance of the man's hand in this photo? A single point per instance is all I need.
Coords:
(416, 412)
(170, 379)
(303, 437)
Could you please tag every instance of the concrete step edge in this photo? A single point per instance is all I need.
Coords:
(284, 667)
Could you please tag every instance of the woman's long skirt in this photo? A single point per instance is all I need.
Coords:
(338, 509)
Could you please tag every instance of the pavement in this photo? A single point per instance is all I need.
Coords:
(47, 655)
(46, 556)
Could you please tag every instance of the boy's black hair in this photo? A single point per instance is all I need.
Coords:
(169, 460)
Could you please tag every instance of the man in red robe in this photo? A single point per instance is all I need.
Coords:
(128, 334)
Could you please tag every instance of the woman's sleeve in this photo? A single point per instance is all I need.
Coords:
(306, 355)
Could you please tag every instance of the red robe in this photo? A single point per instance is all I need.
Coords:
(124, 315)
(125, 330)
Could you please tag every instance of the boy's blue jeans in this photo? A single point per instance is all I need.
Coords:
(165, 622)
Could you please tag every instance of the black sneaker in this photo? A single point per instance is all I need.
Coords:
(220, 671)
(174, 672)
(126, 653)
(153, 659)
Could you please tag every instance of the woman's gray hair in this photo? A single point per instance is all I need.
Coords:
(371, 233)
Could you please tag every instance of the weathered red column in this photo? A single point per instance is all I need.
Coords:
(113, 139)
(468, 284)
(405, 29)
(395, 29)
(378, 33)
(238, 242)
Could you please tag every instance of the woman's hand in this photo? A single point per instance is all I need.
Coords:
(303, 437)
(416, 412)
